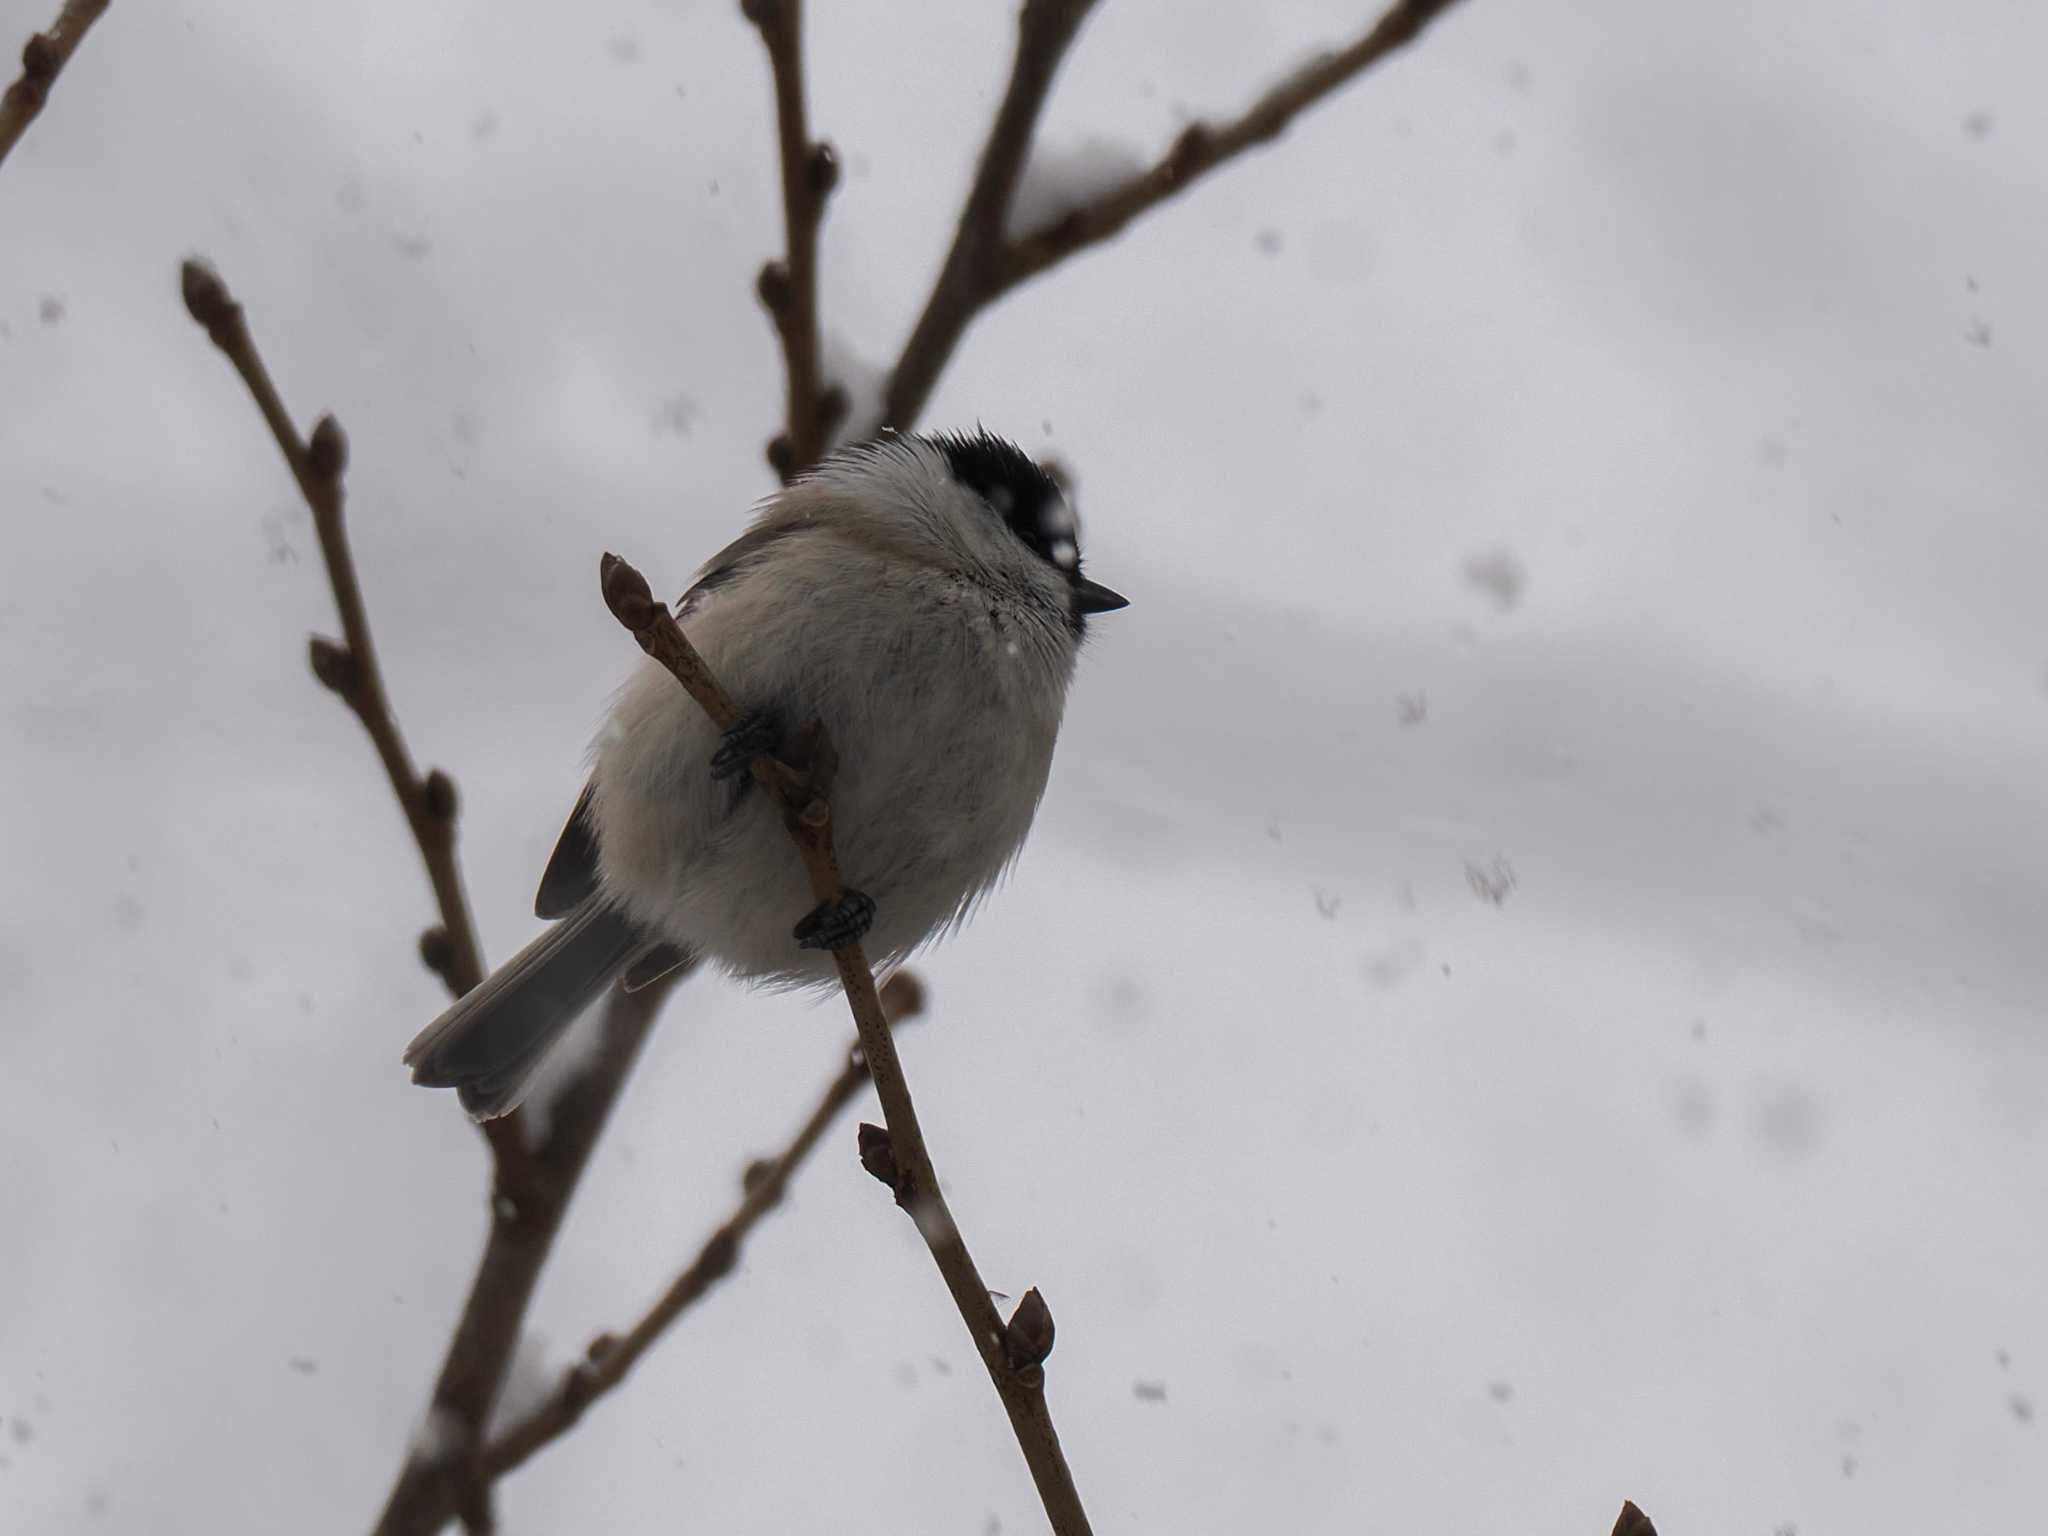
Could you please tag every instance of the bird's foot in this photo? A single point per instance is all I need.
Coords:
(835, 923)
(755, 732)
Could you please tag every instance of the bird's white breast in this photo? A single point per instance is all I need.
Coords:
(943, 697)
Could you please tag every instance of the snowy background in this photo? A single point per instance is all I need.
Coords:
(1600, 455)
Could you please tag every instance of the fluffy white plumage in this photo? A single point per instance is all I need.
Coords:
(923, 598)
(936, 647)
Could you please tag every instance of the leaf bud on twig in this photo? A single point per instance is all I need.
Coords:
(1027, 1338)
(334, 664)
(327, 453)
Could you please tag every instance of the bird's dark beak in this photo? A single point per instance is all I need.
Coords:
(1094, 597)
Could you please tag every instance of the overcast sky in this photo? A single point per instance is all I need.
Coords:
(1527, 988)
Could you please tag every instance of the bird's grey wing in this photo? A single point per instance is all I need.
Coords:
(571, 876)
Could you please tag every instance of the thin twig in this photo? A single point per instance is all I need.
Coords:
(350, 669)
(432, 1491)
(609, 1357)
(986, 263)
(42, 58)
(530, 1188)
(1014, 1353)
(968, 280)
(789, 288)
(1203, 147)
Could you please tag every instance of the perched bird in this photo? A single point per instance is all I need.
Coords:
(920, 595)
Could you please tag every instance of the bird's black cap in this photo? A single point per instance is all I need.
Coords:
(1018, 489)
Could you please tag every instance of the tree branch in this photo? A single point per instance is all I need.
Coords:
(350, 670)
(1202, 147)
(986, 262)
(532, 1186)
(609, 1358)
(1014, 1353)
(445, 1477)
(42, 57)
(789, 288)
(968, 280)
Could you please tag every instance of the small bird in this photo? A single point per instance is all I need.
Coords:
(922, 596)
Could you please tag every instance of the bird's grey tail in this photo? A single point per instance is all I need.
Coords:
(488, 1043)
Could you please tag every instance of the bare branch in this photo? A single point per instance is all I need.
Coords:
(986, 262)
(969, 278)
(789, 288)
(432, 1491)
(532, 1186)
(1013, 1354)
(350, 669)
(609, 1358)
(1203, 147)
(42, 58)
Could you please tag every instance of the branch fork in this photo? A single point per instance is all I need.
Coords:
(610, 1357)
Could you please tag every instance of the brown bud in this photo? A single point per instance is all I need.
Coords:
(821, 168)
(626, 593)
(903, 996)
(327, 452)
(719, 1256)
(206, 296)
(759, 12)
(436, 953)
(802, 748)
(39, 59)
(334, 664)
(756, 1173)
(782, 456)
(579, 1386)
(877, 1155)
(440, 796)
(1632, 1521)
(1192, 144)
(773, 286)
(1027, 1338)
(812, 752)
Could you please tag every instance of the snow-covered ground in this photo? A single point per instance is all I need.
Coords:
(1528, 985)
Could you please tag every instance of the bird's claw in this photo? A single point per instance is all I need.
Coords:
(832, 924)
(755, 732)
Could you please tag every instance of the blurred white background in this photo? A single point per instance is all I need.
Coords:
(1647, 397)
